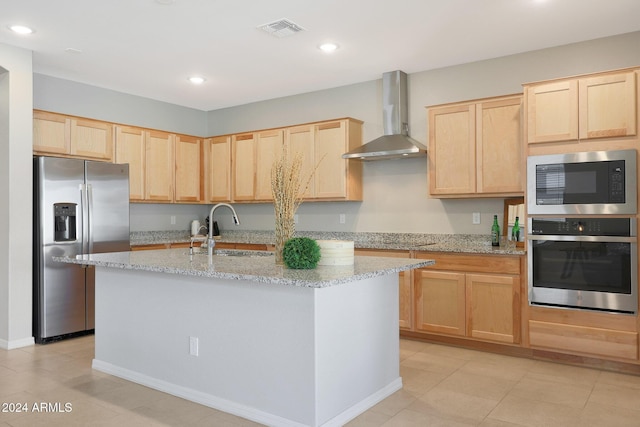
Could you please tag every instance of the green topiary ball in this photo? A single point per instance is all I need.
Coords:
(301, 253)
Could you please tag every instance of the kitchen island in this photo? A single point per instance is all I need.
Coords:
(238, 333)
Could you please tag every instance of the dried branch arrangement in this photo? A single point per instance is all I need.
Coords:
(287, 190)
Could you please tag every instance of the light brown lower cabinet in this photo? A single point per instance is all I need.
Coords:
(440, 302)
(150, 247)
(608, 335)
(475, 296)
(404, 285)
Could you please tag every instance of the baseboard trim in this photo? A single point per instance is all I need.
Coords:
(243, 410)
(11, 345)
(529, 353)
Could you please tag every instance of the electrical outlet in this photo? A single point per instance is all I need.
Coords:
(343, 218)
(476, 218)
(173, 220)
(193, 346)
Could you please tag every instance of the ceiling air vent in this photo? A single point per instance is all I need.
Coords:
(281, 28)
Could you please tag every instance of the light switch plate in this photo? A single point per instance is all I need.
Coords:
(193, 346)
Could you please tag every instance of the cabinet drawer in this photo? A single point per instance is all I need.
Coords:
(473, 263)
(583, 339)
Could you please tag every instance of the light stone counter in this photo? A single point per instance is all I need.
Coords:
(246, 265)
(456, 243)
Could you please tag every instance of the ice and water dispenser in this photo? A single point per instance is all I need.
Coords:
(65, 222)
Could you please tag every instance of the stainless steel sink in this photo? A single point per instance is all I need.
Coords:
(232, 253)
(241, 253)
(424, 245)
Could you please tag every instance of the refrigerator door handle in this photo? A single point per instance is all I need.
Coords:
(90, 217)
(84, 223)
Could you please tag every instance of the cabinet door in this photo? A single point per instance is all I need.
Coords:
(499, 160)
(493, 307)
(92, 139)
(608, 106)
(331, 173)
(159, 166)
(452, 150)
(552, 112)
(189, 186)
(130, 149)
(218, 169)
(405, 293)
(244, 163)
(268, 148)
(440, 301)
(51, 133)
(300, 139)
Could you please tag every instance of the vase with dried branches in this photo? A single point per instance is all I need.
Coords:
(287, 190)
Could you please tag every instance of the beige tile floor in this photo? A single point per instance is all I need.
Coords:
(443, 386)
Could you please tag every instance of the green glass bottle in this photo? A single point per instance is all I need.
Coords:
(515, 230)
(495, 232)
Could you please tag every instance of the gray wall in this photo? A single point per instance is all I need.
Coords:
(395, 191)
(77, 99)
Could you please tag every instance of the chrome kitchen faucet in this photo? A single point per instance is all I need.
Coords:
(210, 242)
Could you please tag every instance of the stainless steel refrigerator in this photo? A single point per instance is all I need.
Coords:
(79, 207)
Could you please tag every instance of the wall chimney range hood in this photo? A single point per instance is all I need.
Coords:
(396, 142)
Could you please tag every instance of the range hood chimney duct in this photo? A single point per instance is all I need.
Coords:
(396, 142)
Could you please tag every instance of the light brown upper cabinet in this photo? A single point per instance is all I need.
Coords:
(51, 133)
(321, 145)
(159, 166)
(475, 148)
(91, 139)
(268, 149)
(164, 167)
(337, 178)
(243, 161)
(58, 134)
(189, 186)
(299, 140)
(217, 154)
(130, 149)
(601, 105)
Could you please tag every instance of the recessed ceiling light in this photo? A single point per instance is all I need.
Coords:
(328, 47)
(20, 29)
(165, 2)
(197, 80)
(73, 50)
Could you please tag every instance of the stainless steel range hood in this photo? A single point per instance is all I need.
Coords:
(396, 142)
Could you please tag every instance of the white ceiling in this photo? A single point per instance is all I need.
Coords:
(145, 48)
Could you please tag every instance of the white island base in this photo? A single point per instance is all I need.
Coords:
(276, 354)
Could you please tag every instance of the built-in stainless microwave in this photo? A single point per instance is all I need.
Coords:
(594, 182)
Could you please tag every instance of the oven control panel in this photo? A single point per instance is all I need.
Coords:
(583, 226)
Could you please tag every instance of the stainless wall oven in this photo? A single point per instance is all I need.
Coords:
(586, 263)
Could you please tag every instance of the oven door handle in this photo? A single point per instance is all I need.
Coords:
(612, 239)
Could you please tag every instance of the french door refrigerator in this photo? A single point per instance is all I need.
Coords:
(79, 207)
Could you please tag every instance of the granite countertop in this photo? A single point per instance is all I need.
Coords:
(246, 265)
(456, 243)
